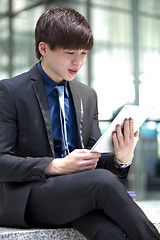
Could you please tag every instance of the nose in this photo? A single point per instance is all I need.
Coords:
(77, 60)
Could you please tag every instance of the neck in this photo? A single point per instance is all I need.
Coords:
(50, 73)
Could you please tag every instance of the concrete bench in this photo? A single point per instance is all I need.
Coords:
(40, 234)
(44, 234)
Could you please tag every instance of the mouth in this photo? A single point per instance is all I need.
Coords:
(73, 72)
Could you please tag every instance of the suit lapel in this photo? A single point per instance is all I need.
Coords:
(40, 93)
(78, 109)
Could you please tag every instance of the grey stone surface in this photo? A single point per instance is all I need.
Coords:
(40, 234)
(44, 234)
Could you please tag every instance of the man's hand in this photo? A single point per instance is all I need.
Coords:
(78, 160)
(125, 142)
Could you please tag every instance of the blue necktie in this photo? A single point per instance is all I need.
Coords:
(65, 149)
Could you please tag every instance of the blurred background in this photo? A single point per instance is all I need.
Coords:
(123, 67)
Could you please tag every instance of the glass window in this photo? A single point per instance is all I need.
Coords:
(79, 6)
(149, 60)
(19, 5)
(112, 79)
(149, 6)
(111, 27)
(149, 32)
(112, 60)
(4, 48)
(4, 6)
(146, 165)
(23, 39)
(125, 4)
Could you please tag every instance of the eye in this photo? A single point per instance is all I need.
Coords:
(84, 53)
(69, 52)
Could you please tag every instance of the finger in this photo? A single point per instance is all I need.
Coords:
(90, 162)
(131, 127)
(87, 164)
(115, 140)
(88, 156)
(136, 134)
(88, 153)
(83, 150)
(84, 153)
(126, 130)
(89, 167)
(119, 134)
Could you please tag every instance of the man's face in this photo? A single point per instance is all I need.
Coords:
(63, 64)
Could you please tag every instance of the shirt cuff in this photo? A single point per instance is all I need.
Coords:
(122, 165)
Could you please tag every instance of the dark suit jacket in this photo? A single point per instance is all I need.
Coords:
(26, 142)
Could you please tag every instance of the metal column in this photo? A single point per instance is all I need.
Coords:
(136, 49)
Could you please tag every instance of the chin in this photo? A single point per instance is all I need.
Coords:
(70, 79)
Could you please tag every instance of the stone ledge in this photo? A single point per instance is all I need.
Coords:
(44, 234)
(38, 234)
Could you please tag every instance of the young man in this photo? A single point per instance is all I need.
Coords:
(48, 176)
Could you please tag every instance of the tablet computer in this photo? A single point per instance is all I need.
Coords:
(138, 113)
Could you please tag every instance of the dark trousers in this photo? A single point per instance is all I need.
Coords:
(94, 202)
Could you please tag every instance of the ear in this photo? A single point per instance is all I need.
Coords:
(42, 48)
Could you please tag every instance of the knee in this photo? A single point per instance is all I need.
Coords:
(103, 183)
(102, 177)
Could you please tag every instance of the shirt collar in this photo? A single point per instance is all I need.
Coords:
(49, 83)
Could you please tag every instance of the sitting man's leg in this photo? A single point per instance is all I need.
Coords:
(97, 226)
(63, 199)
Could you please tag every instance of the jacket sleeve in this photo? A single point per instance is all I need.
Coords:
(106, 162)
(15, 168)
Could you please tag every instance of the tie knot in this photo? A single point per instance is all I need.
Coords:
(60, 90)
